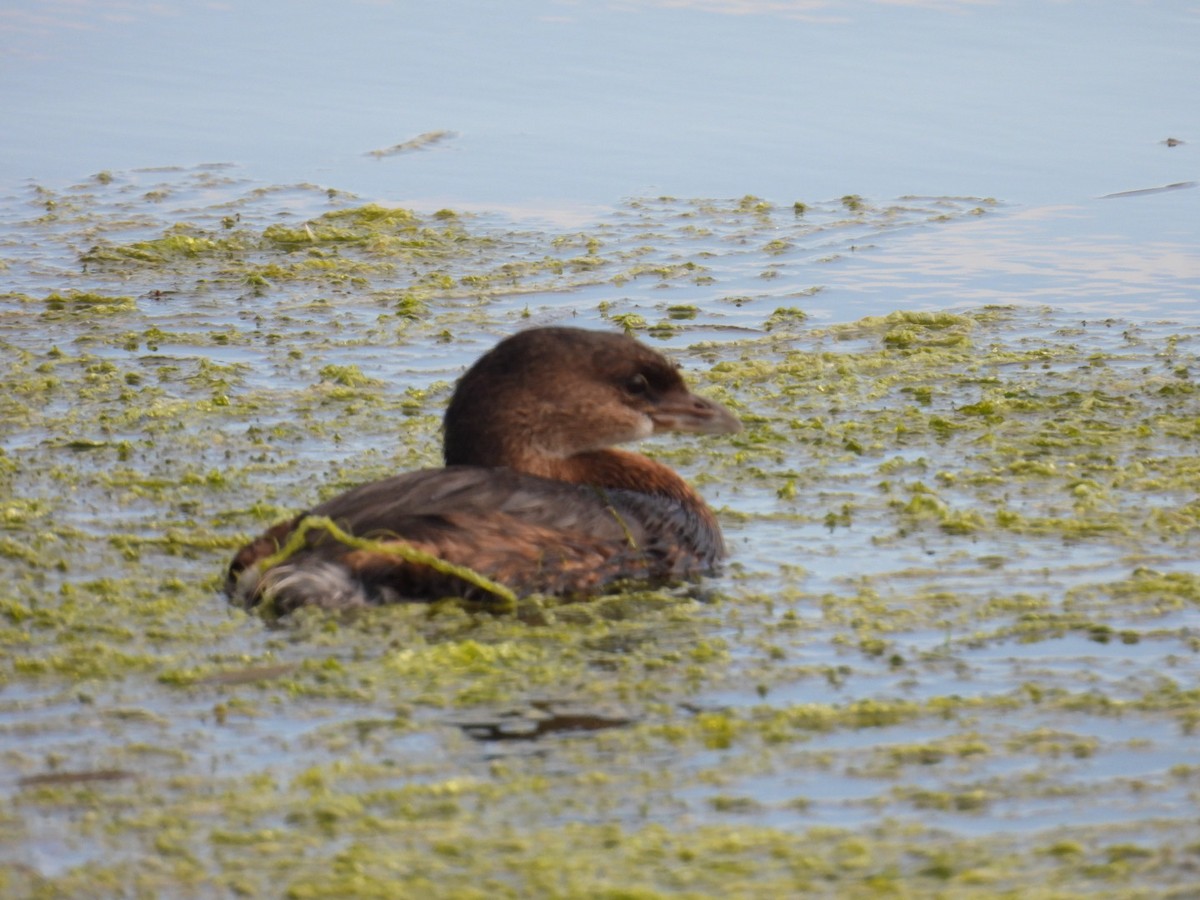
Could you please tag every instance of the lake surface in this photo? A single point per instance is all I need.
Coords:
(942, 259)
(561, 105)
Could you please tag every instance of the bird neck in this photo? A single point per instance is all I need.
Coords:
(620, 469)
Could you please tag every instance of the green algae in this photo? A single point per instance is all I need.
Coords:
(176, 245)
(741, 860)
(298, 539)
(85, 303)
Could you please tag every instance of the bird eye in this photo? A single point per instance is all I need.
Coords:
(637, 384)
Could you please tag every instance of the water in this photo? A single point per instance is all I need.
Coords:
(559, 107)
(1011, 661)
(557, 111)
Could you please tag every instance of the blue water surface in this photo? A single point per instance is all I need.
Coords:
(557, 111)
(562, 104)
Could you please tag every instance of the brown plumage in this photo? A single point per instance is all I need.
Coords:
(533, 495)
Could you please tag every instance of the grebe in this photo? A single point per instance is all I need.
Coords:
(533, 497)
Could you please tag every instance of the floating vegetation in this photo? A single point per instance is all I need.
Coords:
(298, 539)
(955, 651)
(420, 142)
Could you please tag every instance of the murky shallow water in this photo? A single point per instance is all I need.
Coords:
(956, 646)
(961, 605)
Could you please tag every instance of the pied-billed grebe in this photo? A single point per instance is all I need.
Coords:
(533, 497)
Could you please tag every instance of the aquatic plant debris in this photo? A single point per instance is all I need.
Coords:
(955, 651)
(299, 538)
(420, 142)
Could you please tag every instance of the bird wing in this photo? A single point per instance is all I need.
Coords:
(524, 532)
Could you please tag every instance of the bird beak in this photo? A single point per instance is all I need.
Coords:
(685, 412)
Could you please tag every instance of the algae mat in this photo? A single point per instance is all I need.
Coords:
(954, 653)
